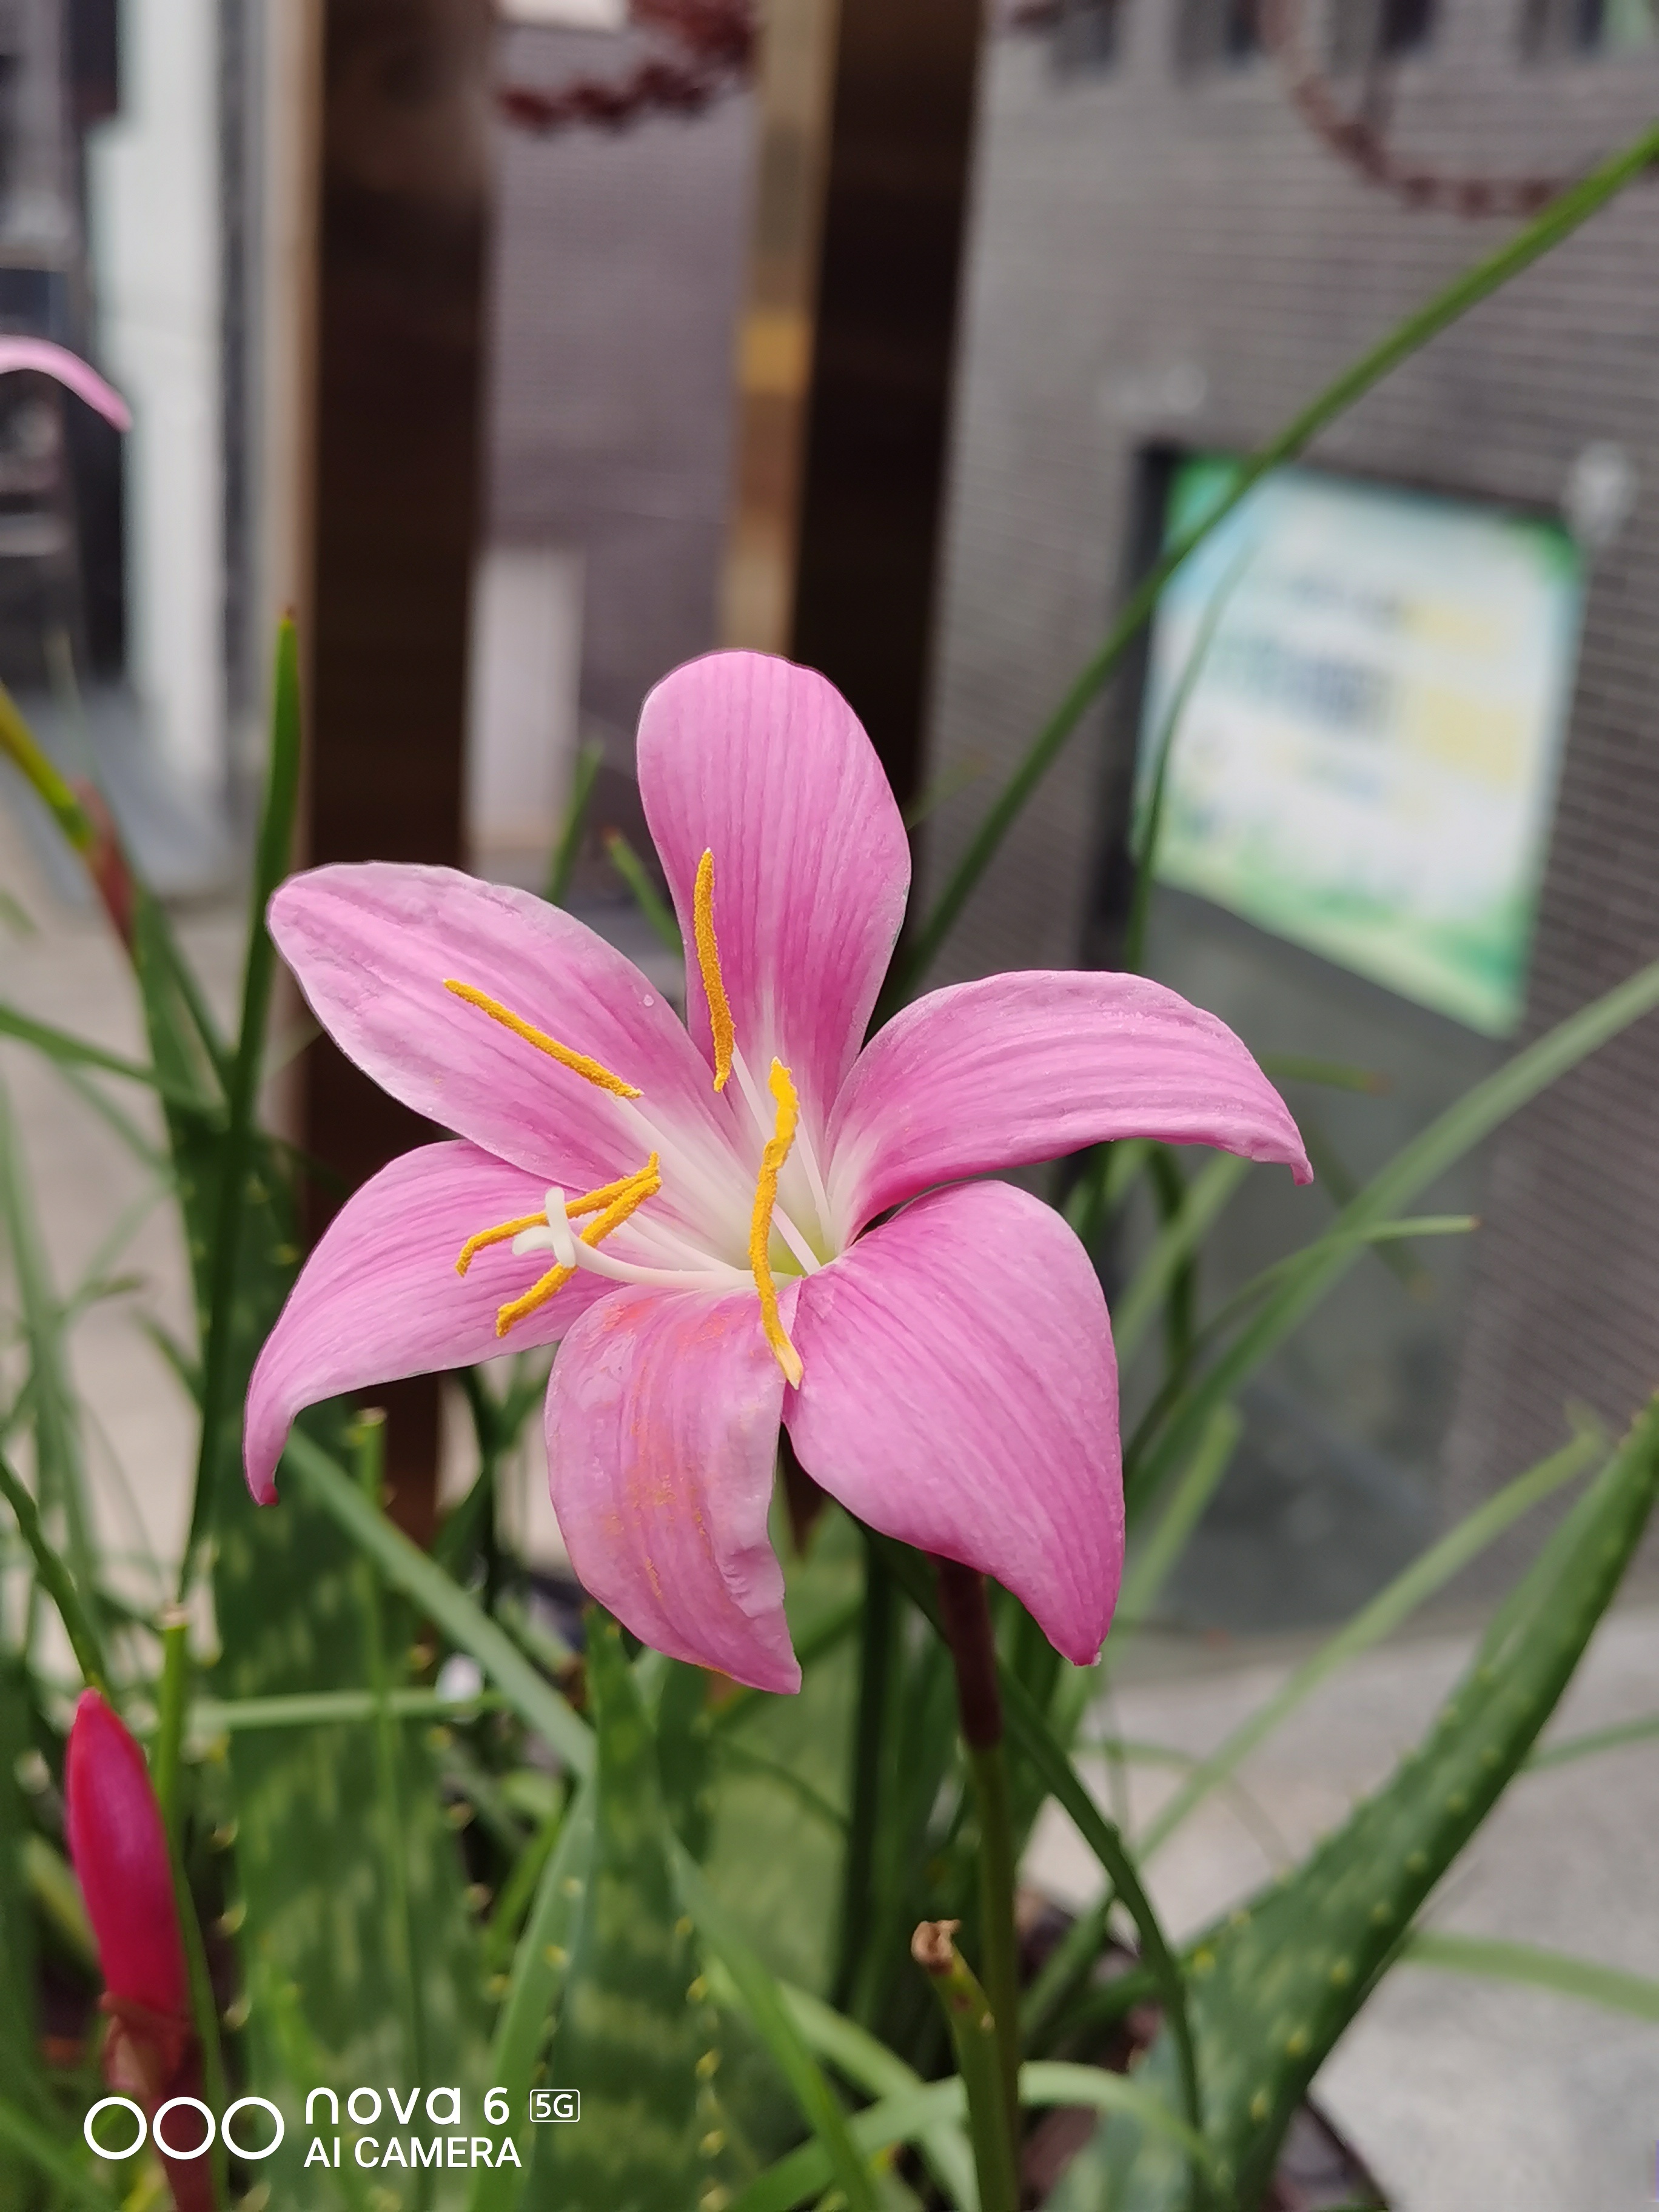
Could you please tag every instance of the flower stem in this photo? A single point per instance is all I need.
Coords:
(369, 1454)
(974, 2039)
(857, 1890)
(967, 1618)
(171, 1700)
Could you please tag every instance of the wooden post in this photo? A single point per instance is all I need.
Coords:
(846, 351)
(401, 209)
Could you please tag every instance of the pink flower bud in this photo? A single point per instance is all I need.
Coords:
(119, 1848)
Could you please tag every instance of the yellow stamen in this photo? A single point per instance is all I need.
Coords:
(594, 1201)
(499, 1234)
(709, 960)
(577, 1062)
(624, 1198)
(773, 1157)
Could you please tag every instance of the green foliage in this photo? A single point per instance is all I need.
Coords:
(1274, 1986)
(635, 2036)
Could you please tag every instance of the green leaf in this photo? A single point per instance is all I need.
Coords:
(70, 1051)
(540, 1963)
(1274, 1986)
(865, 2060)
(57, 1583)
(1145, 857)
(633, 2038)
(464, 1622)
(49, 2156)
(1420, 1164)
(764, 2001)
(1596, 1740)
(1153, 1559)
(589, 759)
(1533, 1967)
(1332, 1075)
(237, 1185)
(1547, 229)
(1390, 1610)
(1028, 1730)
(1175, 1244)
(19, 2029)
(649, 900)
(59, 1463)
(910, 2114)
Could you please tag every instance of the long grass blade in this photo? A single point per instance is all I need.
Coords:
(465, 1623)
(70, 1051)
(1153, 1560)
(1028, 1729)
(1141, 903)
(764, 2001)
(589, 758)
(1535, 1967)
(1175, 1243)
(51, 2157)
(219, 1416)
(648, 899)
(1420, 1164)
(1387, 1612)
(1596, 1740)
(58, 1583)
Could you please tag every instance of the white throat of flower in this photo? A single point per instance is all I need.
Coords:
(605, 1210)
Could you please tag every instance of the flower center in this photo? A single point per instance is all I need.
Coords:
(614, 1203)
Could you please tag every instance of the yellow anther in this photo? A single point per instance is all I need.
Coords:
(619, 1200)
(577, 1062)
(773, 1157)
(595, 1202)
(499, 1234)
(709, 960)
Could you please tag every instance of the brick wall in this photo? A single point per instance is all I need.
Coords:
(1154, 259)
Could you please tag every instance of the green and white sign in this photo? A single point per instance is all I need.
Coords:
(1366, 760)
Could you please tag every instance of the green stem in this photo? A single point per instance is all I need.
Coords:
(56, 1580)
(875, 1652)
(975, 2039)
(967, 1621)
(1557, 220)
(205, 2012)
(219, 1411)
(1146, 852)
(172, 1704)
(368, 1442)
(562, 866)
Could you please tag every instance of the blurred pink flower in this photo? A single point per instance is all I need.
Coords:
(945, 1369)
(118, 1846)
(75, 374)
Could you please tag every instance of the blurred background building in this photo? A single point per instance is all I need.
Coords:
(727, 389)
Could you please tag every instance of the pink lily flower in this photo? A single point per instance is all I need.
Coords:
(749, 1219)
(69, 369)
(118, 1846)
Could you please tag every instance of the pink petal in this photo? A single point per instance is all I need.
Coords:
(959, 1392)
(662, 1436)
(764, 765)
(1024, 1067)
(372, 947)
(119, 1849)
(70, 371)
(379, 1297)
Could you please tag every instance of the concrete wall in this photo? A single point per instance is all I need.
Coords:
(1154, 259)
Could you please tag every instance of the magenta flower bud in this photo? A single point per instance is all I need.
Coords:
(118, 1844)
